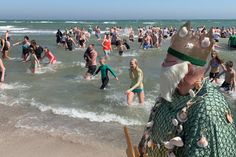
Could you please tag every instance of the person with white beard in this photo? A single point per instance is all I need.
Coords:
(191, 118)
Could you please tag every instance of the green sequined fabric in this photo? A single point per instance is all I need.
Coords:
(206, 117)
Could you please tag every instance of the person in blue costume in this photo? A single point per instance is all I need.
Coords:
(191, 117)
(104, 68)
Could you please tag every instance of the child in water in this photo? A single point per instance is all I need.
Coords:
(229, 83)
(34, 61)
(47, 53)
(215, 64)
(104, 68)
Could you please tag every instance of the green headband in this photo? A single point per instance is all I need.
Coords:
(184, 57)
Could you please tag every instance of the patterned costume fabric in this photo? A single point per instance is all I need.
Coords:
(208, 118)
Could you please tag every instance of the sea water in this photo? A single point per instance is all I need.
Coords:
(60, 102)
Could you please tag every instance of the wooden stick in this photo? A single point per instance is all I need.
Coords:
(129, 150)
(136, 151)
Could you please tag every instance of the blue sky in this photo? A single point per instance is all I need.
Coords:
(117, 9)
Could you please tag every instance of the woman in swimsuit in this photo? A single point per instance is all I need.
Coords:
(214, 65)
(136, 76)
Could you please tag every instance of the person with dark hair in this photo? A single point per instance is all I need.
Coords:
(86, 54)
(5, 42)
(25, 47)
(58, 36)
(37, 48)
(92, 63)
(214, 64)
(69, 43)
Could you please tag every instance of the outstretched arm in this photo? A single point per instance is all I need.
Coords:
(112, 72)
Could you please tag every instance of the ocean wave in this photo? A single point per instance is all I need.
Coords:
(110, 22)
(11, 28)
(149, 23)
(71, 21)
(42, 22)
(23, 30)
(91, 116)
(3, 21)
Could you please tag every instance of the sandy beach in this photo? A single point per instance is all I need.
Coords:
(17, 142)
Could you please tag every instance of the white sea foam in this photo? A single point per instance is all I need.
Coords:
(16, 85)
(149, 23)
(41, 22)
(130, 54)
(3, 22)
(91, 116)
(79, 63)
(71, 22)
(110, 22)
(23, 30)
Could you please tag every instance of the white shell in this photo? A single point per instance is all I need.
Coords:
(171, 155)
(180, 128)
(149, 144)
(205, 42)
(175, 122)
(184, 109)
(182, 116)
(189, 45)
(202, 142)
(177, 141)
(149, 124)
(183, 32)
(168, 145)
(192, 93)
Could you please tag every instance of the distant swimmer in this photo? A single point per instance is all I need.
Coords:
(106, 45)
(104, 68)
(2, 71)
(58, 36)
(92, 63)
(47, 53)
(136, 76)
(25, 47)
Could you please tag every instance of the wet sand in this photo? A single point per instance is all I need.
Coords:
(18, 142)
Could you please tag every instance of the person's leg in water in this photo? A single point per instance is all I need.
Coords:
(141, 97)
(104, 82)
(130, 97)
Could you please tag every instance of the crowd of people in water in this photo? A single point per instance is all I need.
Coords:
(116, 38)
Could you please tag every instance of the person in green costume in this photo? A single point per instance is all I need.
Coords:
(191, 117)
(104, 68)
